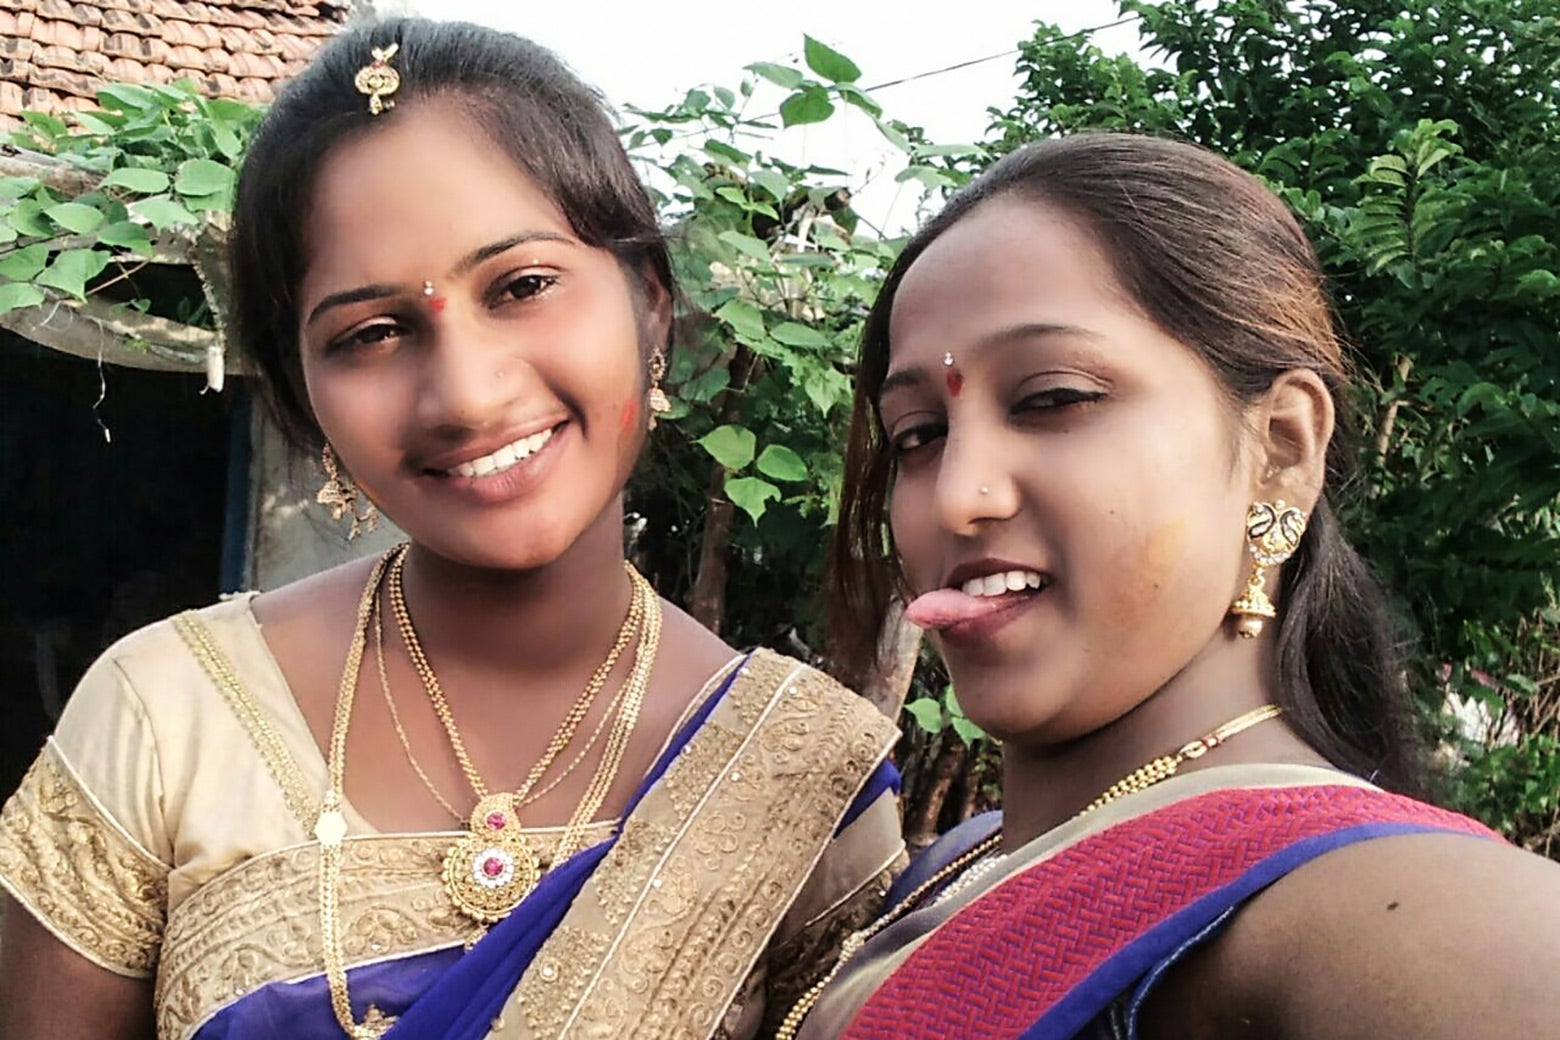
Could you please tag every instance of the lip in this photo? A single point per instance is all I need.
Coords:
(982, 567)
(488, 445)
(499, 488)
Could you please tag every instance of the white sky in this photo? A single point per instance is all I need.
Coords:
(649, 54)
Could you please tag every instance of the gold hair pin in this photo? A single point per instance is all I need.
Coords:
(378, 80)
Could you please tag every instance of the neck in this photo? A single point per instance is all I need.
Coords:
(1045, 785)
(535, 623)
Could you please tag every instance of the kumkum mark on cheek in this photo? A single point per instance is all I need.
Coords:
(629, 415)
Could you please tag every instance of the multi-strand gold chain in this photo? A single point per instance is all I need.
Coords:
(644, 620)
(1140, 779)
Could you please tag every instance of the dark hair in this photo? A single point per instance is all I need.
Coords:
(554, 127)
(1219, 262)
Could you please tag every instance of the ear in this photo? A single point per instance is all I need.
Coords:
(657, 303)
(1293, 423)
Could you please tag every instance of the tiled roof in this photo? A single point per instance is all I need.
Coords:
(54, 54)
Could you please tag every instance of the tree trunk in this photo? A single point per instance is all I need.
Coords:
(887, 683)
(708, 605)
(921, 818)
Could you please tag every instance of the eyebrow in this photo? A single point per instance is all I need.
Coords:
(471, 260)
(916, 375)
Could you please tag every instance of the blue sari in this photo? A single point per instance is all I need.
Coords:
(461, 994)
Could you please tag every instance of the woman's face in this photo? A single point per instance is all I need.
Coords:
(495, 418)
(1073, 442)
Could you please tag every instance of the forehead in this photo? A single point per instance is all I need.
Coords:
(1009, 262)
(427, 184)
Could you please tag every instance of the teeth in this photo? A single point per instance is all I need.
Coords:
(1001, 584)
(504, 457)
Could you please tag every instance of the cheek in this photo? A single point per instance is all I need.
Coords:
(911, 522)
(1148, 569)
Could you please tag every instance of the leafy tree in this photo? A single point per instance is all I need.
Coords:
(1419, 140)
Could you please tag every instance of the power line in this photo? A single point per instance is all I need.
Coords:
(1005, 54)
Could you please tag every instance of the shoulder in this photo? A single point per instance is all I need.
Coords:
(1429, 935)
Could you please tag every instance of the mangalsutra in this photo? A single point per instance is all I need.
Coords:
(1140, 779)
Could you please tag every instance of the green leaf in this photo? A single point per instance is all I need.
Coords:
(772, 181)
(73, 216)
(860, 98)
(7, 234)
(16, 187)
(794, 335)
(27, 217)
(811, 104)
(16, 295)
(731, 446)
(133, 178)
(73, 269)
(126, 234)
(722, 150)
(744, 319)
(928, 714)
(967, 730)
(126, 97)
(779, 75)
(782, 463)
(163, 212)
(200, 177)
(50, 127)
(23, 265)
(747, 245)
(96, 123)
(751, 495)
(828, 62)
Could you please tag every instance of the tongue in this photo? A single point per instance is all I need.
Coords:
(944, 607)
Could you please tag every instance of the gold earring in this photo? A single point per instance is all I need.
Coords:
(659, 403)
(340, 495)
(1273, 533)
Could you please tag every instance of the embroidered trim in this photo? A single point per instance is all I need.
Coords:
(688, 908)
(79, 873)
(258, 923)
(256, 722)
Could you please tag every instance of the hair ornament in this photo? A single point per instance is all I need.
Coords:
(378, 79)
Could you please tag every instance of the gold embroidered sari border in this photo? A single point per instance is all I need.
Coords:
(65, 860)
(256, 722)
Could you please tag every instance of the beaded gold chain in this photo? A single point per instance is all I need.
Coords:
(1140, 779)
(330, 828)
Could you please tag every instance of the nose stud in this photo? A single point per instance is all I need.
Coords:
(985, 491)
(427, 288)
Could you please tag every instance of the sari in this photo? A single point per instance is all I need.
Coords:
(1069, 934)
(165, 832)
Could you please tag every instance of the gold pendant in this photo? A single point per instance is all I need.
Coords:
(489, 871)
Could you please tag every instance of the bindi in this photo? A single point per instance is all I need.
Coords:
(436, 303)
(952, 376)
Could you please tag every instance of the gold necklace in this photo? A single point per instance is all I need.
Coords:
(489, 870)
(1140, 779)
(330, 828)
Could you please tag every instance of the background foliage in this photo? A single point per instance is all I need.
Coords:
(1418, 140)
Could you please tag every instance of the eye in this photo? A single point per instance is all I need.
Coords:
(910, 440)
(1057, 397)
(365, 338)
(525, 286)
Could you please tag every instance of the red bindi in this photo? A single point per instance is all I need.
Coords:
(629, 416)
(436, 303)
(955, 380)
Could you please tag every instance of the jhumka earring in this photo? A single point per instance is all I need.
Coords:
(378, 80)
(340, 495)
(1273, 533)
(659, 404)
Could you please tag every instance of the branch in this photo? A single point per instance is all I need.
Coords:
(118, 335)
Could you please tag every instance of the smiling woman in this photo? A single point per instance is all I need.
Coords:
(565, 808)
(1118, 524)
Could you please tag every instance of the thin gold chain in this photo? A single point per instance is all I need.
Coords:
(566, 729)
(395, 719)
(1140, 779)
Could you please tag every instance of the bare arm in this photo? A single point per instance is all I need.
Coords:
(49, 990)
(1430, 936)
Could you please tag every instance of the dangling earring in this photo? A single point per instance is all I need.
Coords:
(659, 404)
(1273, 533)
(340, 495)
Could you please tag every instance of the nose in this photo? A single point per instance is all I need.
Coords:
(974, 485)
(467, 380)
